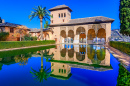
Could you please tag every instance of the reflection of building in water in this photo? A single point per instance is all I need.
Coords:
(88, 54)
(60, 70)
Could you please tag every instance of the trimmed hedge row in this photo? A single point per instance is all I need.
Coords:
(123, 77)
(23, 51)
(122, 46)
(16, 44)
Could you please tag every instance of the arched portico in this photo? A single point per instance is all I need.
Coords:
(101, 35)
(81, 34)
(63, 36)
(91, 35)
(70, 36)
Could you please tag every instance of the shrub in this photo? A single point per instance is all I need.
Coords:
(28, 37)
(123, 77)
(16, 44)
(3, 36)
(122, 46)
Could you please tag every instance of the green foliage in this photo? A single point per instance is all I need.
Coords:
(124, 17)
(41, 74)
(1, 66)
(123, 77)
(16, 44)
(28, 37)
(40, 13)
(46, 24)
(3, 36)
(122, 46)
(23, 51)
(0, 20)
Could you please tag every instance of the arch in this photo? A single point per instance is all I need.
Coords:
(80, 30)
(71, 36)
(91, 34)
(101, 33)
(63, 52)
(82, 34)
(63, 33)
(63, 36)
(71, 33)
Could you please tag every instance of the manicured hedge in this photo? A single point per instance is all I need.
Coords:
(16, 44)
(123, 76)
(23, 51)
(122, 46)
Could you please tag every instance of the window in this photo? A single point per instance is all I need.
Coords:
(11, 30)
(61, 14)
(64, 14)
(63, 20)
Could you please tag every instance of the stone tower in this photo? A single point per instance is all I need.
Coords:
(60, 14)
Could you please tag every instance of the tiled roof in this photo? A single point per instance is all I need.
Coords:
(9, 24)
(38, 30)
(89, 20)
(59, 7)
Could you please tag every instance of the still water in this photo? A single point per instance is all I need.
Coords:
(61, 65)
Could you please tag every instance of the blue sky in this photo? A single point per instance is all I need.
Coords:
(17, 11)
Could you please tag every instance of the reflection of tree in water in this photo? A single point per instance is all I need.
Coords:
(90, 52)
(42, 73)
(22, 59)
(96, 56)
(47, 56)
(1, 66)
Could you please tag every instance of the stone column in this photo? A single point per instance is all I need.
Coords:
(67, 34)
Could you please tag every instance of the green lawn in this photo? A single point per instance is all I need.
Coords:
(16, 44)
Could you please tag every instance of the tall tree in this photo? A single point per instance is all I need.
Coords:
(41, 13)
(124, 16)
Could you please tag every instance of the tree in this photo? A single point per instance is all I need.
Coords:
(124, 16)
(0, 20)
(41, 13)
(43, 73)
(21, 30)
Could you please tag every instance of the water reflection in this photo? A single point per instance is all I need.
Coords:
(62, 59)
(44, 72)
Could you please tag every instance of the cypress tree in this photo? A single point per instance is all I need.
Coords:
(0, 20)
(124, 15)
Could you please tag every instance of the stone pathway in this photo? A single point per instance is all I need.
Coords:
(122, 57)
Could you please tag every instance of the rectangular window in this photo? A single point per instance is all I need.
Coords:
(11, 30)
(64, 14)
(59, 15)
(51, 21)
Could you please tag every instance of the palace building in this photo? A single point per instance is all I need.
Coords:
(89, 30)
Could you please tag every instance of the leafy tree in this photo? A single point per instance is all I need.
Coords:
(3, 36)
(123, 77)
(124, 16)
(41, 13)
(43, 73)
(0, 20)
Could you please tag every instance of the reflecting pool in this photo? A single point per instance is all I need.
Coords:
(60, 65)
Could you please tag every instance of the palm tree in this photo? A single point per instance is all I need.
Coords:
(43, 73)
(41, 13)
